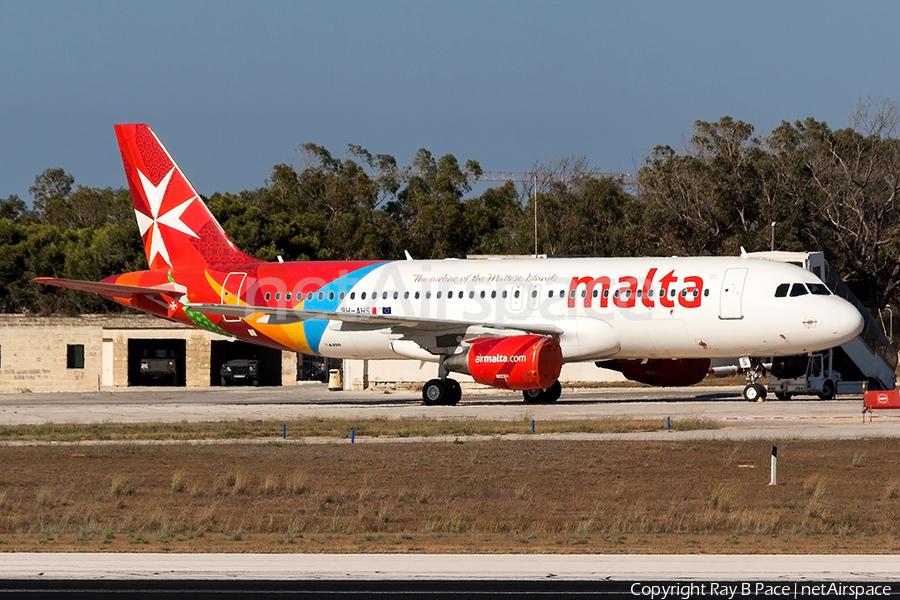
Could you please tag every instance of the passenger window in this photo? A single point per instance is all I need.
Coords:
(493, 293)
(309, 296)
(572, 294)
(606, 293)
(288, 297)
(584, 293)
(517, 293)
(550, 294)
(341, 297)
(818, 289)
(321, 295)
(504, 293)
(417, 295)
(384, 295)
(562, 293)
(277, 296)
(405, 295)
(396, 295)
(362, 296)
(673, 293)
(534, 293)
(268, 296)
(427, 295)
(798, 289)
(706, 292)
(331, 295)
(438, 294)
(639, 293)
(649, 293)
(472, 294)
(782, 290)
(482, 293)
(594, 294)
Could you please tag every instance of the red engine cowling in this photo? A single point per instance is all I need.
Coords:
(519, 362)
(665, 371)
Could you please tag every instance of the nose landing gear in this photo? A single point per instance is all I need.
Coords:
(753, 368)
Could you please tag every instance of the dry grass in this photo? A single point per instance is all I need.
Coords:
(334, 427)
(489, 496)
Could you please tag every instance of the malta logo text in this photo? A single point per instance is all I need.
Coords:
(666, 292)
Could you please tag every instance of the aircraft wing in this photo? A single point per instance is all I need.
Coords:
(108, 289)
(282, 316)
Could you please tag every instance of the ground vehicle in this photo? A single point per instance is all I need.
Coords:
(159, 366)
(804, 374)
(239, 371)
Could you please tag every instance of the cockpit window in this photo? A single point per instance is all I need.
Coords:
(782, 290)
(798, 289)
(818, 289)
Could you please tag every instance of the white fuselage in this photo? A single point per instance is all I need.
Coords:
(696, 307)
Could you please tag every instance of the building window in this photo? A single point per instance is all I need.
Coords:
(75, 356)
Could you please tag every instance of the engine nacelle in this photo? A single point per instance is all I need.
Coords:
(518, 362)
(661, 371)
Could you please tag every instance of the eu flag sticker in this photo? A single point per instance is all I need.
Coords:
(386, 310)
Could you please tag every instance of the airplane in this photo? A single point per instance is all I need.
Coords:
(509, 323)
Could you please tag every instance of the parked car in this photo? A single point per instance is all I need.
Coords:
(240, 371)
(159, 366)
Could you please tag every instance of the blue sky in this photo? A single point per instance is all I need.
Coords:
(232, 88)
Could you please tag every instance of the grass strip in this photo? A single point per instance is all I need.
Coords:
(335, 427)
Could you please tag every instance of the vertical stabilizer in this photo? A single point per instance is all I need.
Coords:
(176, 226)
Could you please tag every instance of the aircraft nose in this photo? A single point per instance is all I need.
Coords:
(845, 320)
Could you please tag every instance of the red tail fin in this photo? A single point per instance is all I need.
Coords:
(177, 228)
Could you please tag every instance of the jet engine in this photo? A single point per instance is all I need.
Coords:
(518, 362)
(661, 371)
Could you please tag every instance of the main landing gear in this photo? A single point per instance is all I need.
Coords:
(441, 392)
(754, 392)
(545, 396)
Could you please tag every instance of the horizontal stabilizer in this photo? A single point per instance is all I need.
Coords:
(109, 289)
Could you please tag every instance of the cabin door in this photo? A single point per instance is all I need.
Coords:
(231, 292)
(732, 294)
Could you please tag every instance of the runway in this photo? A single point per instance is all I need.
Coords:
(836, 419)
(449, 567)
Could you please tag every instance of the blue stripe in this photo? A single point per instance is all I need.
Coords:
(314, 330)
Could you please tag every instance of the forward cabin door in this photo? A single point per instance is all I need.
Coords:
(732, 294)
(231, 292)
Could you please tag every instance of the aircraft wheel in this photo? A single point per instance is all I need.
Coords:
(827, 392)
(552, 393)
(532, 396)
(753, 392)
(434, 392)
(454, 392)
(545, 396)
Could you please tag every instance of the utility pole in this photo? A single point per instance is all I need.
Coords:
(624, 179)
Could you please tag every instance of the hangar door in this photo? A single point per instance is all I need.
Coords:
(156, 362)
(238, 354)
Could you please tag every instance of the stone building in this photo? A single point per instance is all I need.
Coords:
(91, 352)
